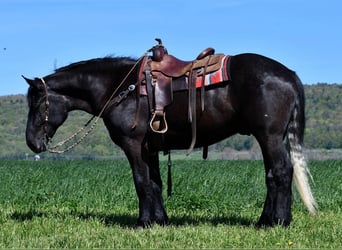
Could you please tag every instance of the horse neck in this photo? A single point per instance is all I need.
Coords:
(83, 92)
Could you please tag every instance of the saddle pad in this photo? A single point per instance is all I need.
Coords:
(218, 76)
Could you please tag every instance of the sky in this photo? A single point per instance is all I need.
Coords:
(38, 36)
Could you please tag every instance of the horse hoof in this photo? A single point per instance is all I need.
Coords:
(163, 223)
(262, 223)
(143, 225)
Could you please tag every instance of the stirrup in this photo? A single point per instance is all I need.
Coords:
(158, 122)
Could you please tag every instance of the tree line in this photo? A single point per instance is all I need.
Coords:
(323, 127)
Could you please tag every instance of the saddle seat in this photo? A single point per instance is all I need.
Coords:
(173, 67)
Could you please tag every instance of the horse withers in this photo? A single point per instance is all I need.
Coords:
(263, 98)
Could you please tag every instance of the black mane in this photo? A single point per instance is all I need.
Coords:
(97, 64)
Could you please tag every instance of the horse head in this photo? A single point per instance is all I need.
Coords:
(47, 111)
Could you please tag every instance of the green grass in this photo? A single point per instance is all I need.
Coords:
(92, 204)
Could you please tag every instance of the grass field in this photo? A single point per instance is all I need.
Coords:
(92, 204)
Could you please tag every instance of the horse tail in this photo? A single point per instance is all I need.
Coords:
(295, 137)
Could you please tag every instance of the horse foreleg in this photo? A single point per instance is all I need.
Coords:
(160, 216)
(278, 168)
(148, 185)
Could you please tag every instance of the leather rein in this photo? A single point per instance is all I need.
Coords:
(111, 100)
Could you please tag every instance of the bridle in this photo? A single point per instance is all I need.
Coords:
(93, 120)
(46, 112)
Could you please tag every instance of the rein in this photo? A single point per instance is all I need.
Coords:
(111, 99)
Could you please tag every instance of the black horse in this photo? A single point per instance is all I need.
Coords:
(263, 98)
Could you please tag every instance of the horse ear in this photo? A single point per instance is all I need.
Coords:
(32, 83)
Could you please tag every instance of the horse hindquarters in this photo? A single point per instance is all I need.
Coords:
(278, 172)
(278, 168)
(268, 98)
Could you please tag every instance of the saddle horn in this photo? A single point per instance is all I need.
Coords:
(158, 51)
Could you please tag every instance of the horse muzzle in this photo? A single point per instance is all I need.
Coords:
(37, 145)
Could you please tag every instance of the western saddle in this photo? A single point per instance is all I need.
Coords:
(159, 70)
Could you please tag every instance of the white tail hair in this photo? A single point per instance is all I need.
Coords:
(300, 168)
(300, 174)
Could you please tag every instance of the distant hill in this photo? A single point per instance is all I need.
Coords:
(323, 127)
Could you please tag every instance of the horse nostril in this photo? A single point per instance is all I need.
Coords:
(36, 145)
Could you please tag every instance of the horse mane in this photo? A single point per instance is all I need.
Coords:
(97, 64)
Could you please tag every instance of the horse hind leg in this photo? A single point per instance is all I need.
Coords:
(278, 170)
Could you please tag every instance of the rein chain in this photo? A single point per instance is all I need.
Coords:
(56, 148)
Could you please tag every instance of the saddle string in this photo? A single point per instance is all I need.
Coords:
(55, 148)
